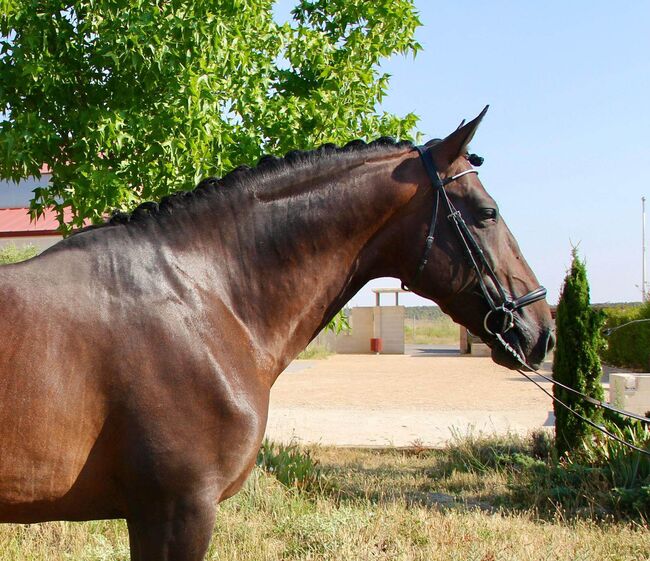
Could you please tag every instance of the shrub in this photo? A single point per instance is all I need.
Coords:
(13, 254)
(576, 362)
(626, 471)
(629, 346)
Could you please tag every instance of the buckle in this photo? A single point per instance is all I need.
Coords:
(503, 326)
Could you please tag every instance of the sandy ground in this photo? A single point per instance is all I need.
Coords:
(399, 400)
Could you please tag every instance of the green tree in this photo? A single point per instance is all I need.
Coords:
(576, 361)
(129, 101)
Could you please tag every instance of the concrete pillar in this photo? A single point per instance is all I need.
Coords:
(464, 341)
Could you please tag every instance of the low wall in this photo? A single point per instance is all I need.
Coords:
(630, 391)
(385, 322)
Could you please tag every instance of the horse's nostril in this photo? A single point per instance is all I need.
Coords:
(550, 342)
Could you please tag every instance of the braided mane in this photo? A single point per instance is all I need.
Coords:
(243, 176)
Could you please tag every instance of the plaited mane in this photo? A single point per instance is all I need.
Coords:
(243, 176)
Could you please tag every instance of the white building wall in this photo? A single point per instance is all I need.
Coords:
(386, 322)
(630, 391)
(389, 322)
(40, 242)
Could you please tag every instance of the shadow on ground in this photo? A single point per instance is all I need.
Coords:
(431, 350)
(512, 477)
(440, 479)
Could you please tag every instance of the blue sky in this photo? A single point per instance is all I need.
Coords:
(566, 139)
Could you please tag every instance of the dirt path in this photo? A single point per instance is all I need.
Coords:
(367, 400)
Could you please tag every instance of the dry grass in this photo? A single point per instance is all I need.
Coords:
(439, 331)
(370, 505)
(64, 541)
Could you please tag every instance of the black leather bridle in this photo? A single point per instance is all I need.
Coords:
(500, 317)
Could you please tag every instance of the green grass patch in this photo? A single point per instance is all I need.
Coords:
(12, 254)
(315, 352)
(292, 465)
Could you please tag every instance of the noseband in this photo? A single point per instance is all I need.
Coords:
(500, 317)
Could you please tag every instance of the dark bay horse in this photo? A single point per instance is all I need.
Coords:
(137, 357)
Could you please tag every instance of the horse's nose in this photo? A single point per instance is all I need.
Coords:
(550, 341)
(544, 345)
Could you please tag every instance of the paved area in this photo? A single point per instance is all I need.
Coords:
(398, 400)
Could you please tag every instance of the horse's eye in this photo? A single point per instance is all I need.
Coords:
(488, 213)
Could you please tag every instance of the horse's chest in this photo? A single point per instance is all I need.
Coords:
(204, 434)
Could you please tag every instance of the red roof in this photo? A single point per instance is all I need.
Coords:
(17, 222)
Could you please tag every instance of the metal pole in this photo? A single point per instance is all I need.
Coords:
(643, 285)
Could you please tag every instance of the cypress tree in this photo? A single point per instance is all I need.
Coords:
(576, 362)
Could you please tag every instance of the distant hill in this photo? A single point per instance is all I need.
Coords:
(434, 312)
(617, 305)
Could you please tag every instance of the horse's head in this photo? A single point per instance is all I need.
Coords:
(470, 264)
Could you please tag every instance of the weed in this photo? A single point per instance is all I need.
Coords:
(604, 480)
(315, 352)
(626, 471)
(482, 453)
(292, 465)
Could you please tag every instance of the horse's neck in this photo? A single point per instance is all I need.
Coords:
(294, 260)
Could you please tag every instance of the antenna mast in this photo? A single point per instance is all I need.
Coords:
(644, 295)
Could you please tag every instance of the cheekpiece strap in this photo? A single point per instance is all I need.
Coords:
(432, 172)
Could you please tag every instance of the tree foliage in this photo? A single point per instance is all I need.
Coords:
(129, 101)
(629, 346)
(576, 361)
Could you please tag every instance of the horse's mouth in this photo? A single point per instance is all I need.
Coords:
(504, 357)
(510, 353)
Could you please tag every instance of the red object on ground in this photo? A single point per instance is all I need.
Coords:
(376, 345)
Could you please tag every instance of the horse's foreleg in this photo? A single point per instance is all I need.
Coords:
(177, 530)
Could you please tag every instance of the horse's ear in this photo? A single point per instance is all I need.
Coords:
(447, 150)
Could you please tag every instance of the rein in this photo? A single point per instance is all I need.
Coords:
(596, 402)
(501, 311)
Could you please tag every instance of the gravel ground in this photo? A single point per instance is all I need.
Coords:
(399, 400)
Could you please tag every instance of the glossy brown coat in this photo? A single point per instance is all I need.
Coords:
(137, 358)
